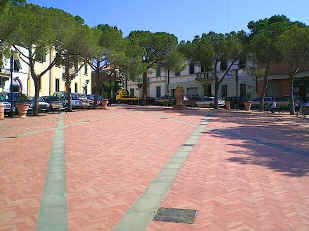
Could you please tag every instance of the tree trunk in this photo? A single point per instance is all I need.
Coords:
(126, 83)
(265, 86)
(36, 95)
(216, 94)
(216, 86)
(237, 80)
(145, 86)
(168, 83)
(291, 90)
(68, 90)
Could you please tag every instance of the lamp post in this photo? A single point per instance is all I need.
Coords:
(13, 58)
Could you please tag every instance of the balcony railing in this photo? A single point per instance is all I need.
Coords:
(204, 76)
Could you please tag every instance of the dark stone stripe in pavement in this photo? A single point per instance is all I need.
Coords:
(144, 209)
(257, 141)
(53, 209)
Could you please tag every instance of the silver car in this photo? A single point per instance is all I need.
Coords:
(210, 102)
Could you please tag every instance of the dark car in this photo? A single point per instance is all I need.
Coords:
(55, 103)
(43, 105)
(191, 100)
(165, 100)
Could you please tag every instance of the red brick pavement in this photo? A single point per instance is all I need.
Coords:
(110, 163)
(236, 185)
(18, 126)
(112, 156)
(23, 165)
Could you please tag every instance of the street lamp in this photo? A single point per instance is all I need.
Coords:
(13, 57)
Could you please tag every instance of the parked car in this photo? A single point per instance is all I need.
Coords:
(76, 102)
(165, 100)
(43, 105)
(257, 101)
(55, 103)
(84, 100)
(191, 100)
(7, 105)
(210, 102)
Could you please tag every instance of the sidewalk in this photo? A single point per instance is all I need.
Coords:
(246, 171)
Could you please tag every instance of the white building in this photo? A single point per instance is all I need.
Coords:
(21, 75)
(192, 79)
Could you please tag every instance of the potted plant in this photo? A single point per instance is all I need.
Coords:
(247, 102)
(227, 104)
(22, 105)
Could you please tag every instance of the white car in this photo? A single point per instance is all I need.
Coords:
(209, 102)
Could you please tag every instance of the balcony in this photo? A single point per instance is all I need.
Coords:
(204, 76)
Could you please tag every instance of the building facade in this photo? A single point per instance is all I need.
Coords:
(192, 79)
(52, 81)
(278, 82)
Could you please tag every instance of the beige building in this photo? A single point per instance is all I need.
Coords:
(52, 81)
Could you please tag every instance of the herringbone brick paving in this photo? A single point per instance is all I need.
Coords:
(108, 171)
(23, 165)
(236, 185)
(112, 156)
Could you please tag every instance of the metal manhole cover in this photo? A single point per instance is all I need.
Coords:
(188, 145)
(186, 216)
(10, 137)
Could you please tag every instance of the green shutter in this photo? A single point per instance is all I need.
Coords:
(158, 92)
(158, 72)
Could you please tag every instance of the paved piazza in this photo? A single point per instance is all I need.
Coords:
(111, 170)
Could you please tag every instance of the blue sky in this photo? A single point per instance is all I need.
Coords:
(184, 18)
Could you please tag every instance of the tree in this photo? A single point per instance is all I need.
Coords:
(29, 26)
(294, 46)
(74, 53)
(5, 3)
(174, 61)
(263, 39)
(154, 48)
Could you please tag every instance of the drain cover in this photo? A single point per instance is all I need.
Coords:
(10, 137)
(186, 216)
(188, 145)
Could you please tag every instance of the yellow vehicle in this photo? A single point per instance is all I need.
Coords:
(122, 96)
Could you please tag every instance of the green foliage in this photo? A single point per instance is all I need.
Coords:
(154, 46)
(294, 46)
(174, 61)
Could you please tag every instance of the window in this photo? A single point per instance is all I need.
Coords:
(192, 91)
(173, 92)
(191, 68)
(75, 88)
(242, 62)
(57, 85)
(76, 66)
(40, 55)
(223, 65)
(16, 66)
(86, 69)
(158, 90)
(158, 72)
(243, 90)
(224, 91)
(2, 82)
(203, 69)
(132, 92)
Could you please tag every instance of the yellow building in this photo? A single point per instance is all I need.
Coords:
(52, 81)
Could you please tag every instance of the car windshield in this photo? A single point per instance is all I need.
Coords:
(74, 96)
(52, 98)
(41, 100)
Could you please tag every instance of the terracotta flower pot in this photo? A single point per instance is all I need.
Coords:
(104, 103)
(228, 105)
(247, 106)
(1, 111)
(22, 109)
